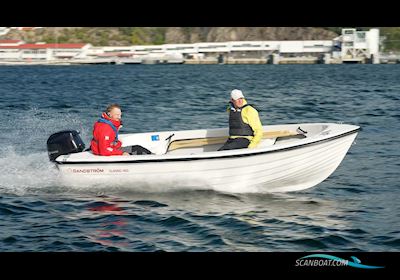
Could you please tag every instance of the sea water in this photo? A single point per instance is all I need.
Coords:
(355, 209)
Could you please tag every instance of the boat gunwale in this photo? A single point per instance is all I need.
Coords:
(255, 153)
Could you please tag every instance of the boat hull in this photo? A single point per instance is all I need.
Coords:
(292, 168)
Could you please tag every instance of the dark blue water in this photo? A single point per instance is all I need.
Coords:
(355, 209)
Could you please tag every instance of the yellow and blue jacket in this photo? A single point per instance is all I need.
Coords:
(249, 126)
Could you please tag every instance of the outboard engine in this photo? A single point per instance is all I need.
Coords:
(63, 143)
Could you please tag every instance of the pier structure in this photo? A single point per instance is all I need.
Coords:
(389, 58)
(234, 52)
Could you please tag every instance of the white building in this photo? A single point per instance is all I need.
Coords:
(357, 46)
(42, 51)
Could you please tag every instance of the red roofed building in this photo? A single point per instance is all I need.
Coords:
(11, 42)
(42, 51)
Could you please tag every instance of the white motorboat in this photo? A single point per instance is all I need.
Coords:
(290, 157)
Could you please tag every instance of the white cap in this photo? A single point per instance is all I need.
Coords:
(236, 94)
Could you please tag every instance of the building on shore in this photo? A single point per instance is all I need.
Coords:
(351, 47)
(19, 51)
(359, 46)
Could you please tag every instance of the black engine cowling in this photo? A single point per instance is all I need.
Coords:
(63, 143)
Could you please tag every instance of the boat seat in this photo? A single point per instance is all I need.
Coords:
(269, 138)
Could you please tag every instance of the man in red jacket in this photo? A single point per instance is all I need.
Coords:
(105, 133)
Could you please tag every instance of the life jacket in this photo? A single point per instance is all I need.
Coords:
(103, 120)
(109, 144)
(236, 125)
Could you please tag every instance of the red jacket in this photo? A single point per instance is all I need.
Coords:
(103, 138)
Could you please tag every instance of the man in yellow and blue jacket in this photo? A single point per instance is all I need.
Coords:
(245, 128)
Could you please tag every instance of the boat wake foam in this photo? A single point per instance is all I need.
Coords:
(21, 173)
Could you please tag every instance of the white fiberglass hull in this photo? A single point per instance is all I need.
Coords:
(296, 165)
